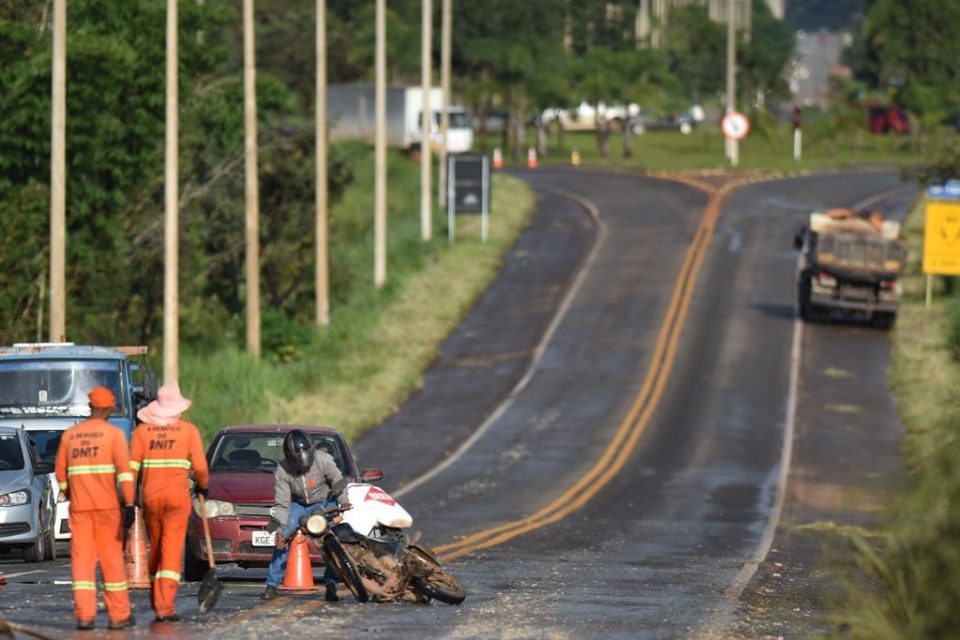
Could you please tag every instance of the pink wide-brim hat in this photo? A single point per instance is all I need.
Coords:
(168, 406)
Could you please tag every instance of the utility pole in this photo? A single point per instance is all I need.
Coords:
(171, 223)
(446, 35)
(58, 177)
(251, 187)
(426, 121)
(322, 272)
(732, 146)
(642, 25)
(380, 151)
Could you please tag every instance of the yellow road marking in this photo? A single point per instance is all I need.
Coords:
(624, 441)
(627, 434)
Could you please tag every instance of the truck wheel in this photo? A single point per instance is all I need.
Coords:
(884, 320)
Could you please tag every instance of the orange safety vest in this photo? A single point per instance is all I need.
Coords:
(164, 456)
(91, 460)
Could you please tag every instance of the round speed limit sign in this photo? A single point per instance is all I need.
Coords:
(735, 125)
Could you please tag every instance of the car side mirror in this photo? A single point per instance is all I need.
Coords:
(43, 467)
(371, 475)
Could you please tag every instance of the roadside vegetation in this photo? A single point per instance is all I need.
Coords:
(360, 368)
(770, 149)
(916, 566)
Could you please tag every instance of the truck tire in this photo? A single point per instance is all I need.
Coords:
(884, 320)
(803, 297)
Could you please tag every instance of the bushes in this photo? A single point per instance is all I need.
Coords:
(915, 568)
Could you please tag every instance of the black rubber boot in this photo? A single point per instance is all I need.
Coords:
(123, 624)
(331, 595)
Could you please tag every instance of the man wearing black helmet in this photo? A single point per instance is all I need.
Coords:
(302, 483)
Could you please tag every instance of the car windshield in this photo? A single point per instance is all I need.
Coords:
(261, 452)
(56, 387)
(11, 454)
(46, 442)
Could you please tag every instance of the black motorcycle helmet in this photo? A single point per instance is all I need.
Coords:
(298, 451)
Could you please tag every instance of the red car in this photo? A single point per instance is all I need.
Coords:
(892, 119)
(242, 461)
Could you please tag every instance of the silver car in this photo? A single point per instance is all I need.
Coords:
(26, 498)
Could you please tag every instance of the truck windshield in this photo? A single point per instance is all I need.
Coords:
(11, 455)
(458, 120)
(56, 387)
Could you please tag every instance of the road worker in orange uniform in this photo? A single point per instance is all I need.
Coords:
(91, 460)
(164, 451)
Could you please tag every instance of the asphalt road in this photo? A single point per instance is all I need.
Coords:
(633, 458)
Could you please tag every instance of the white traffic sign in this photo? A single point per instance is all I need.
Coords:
(735, 125)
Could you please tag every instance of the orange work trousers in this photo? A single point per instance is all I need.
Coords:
(97, 535)
(166, 519)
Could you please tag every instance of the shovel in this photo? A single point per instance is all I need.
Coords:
(210, 587)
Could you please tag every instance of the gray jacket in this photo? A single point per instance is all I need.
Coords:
(307, 489)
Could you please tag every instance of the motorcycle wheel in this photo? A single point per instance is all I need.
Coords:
(343, 564)
(440, 585)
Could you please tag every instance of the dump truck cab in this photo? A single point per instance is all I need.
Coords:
(44, 388)
(850, 264)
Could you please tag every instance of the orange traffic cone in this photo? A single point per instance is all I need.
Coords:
(497, 159)
(531, 158)
(299, 575)
(135, 555)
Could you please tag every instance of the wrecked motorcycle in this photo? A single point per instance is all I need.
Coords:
(391, 564)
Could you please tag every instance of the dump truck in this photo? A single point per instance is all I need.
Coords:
(351, 116)
(849, 267)
(44, 387)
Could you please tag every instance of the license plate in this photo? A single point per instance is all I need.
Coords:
(264, 539)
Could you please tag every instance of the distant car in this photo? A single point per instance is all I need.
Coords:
(684, 123)
(242, 461)
(26, 498)
(892, 119)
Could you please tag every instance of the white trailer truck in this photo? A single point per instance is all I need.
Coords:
(351, 115)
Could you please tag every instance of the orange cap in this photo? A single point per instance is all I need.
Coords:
(102, 398)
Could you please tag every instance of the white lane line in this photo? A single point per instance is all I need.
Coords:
(786, 456)
(885, 195)
(748, 570)
(22, 573)
(598, 241)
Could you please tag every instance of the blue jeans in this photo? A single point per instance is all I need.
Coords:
(278, 563)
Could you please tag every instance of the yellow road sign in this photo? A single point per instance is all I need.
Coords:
(941, 238)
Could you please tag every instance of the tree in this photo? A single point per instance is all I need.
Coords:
(916, 51)
(696, 50)
(762, 59)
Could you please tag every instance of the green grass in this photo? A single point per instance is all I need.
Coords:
(764, 150)
(916, 569)
(361, 368)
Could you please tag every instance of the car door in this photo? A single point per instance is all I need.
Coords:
(40, 485)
